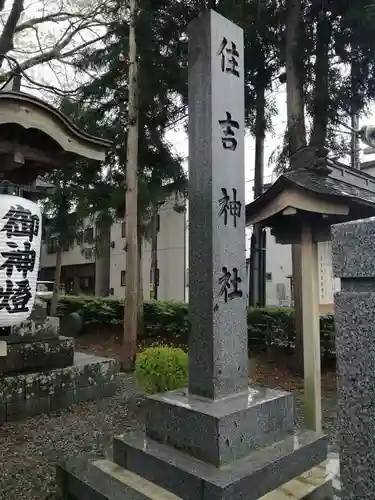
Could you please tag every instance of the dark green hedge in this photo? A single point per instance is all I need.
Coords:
(160, 317)
(267, 327)
(275, 327)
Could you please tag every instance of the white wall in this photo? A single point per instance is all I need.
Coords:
(171, 256)
(279, 264)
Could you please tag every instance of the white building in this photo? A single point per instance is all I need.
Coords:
(83, 272)
(279, 272)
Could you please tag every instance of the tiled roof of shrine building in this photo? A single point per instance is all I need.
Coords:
(322, 179)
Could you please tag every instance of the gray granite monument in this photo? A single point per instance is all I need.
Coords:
(353, 252)
(218, 439)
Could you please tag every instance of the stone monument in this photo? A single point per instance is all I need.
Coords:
(218, 439)
(353, 253)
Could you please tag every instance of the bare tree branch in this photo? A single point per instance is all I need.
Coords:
(60, 30)
(54, 53)
(58, 17)
(6, 37)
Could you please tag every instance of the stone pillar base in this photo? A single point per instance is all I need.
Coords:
(237, 448)
(109, 481)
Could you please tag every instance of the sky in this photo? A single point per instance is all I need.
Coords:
(56, 74)
(178, 138)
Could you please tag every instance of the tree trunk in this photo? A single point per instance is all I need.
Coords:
(129, 349)
(9, 29)
(355, 109)
(56, 284)
(297, 140)
(260, 132)
(294, 78)
(140, 288)
(154, 253)
(318, 138)
(321, 91)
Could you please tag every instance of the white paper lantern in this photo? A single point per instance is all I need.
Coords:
(20, 235)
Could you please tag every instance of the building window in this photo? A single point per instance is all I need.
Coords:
(89, 235)
(51, 245)
(66, 247)
(123, 277)
(86, 283)
(123, 229)
(268, 276)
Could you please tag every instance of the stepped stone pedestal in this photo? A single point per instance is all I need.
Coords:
(218, 439)
(25, 354)
(29, 394)
(240, 448)
(40, 372)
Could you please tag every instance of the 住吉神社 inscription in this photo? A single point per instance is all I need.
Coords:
(228, 139)
(229, 57)
(229, 283)
(228, 206)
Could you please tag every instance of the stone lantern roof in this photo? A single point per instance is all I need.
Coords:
(320, 191)
(36, 138)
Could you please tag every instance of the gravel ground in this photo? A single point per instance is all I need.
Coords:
(30, 449)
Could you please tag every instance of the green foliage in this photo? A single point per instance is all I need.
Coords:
(166, 317)
(160, 369)
(162, 79)
(275, 327)
(270, 326)
(160, 317)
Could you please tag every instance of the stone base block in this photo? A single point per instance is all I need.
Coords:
(187, 478)
(248, 478)
(104, 480)
(26, 355)
(46, 328)
(90, 377)
(221, 431)
(315, 484)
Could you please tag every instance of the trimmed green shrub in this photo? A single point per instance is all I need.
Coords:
(327, 335)
(275, 327)
(269, 326)
(160, 317)
(160, 369)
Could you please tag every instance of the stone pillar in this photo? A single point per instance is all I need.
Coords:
(218, 364)
(353, 251)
